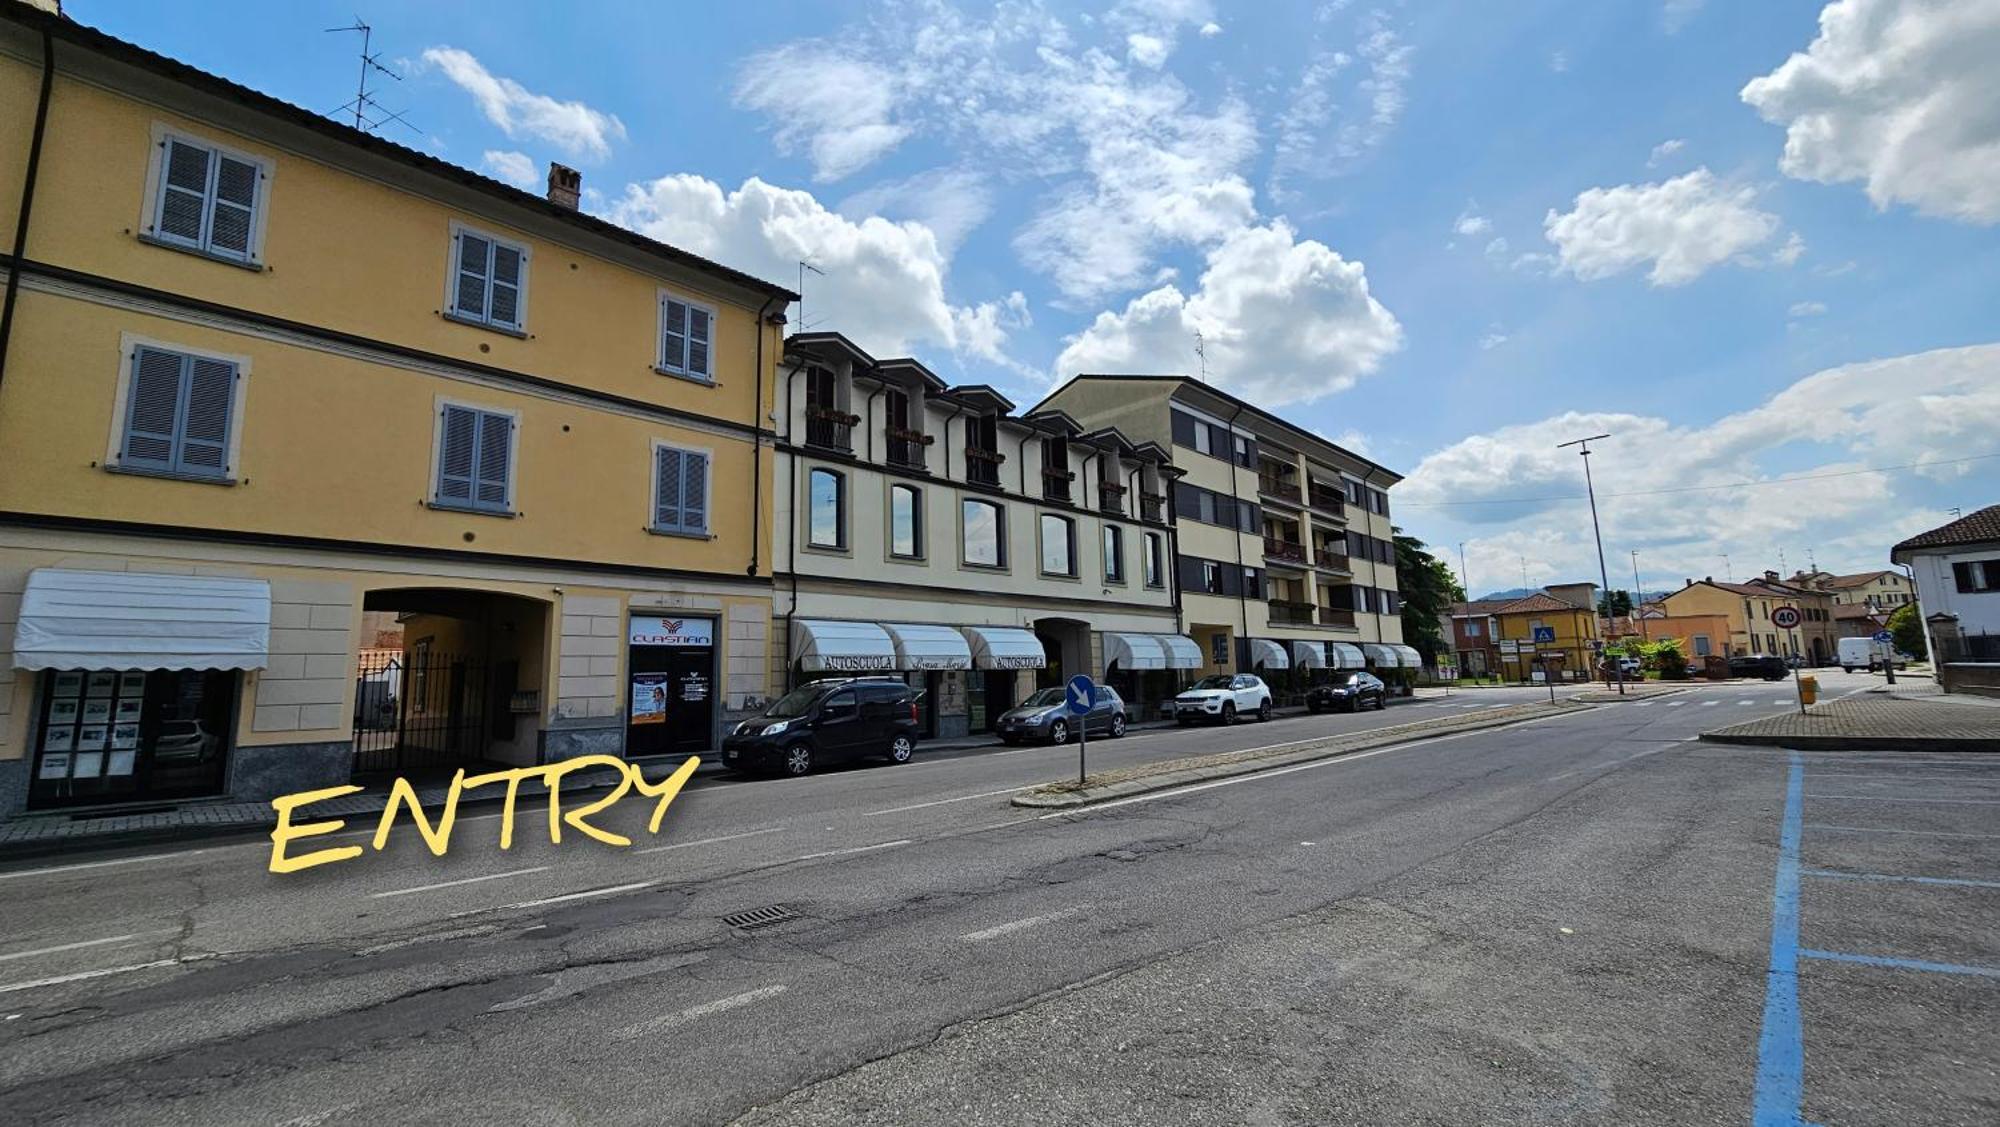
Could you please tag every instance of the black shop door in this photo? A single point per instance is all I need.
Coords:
(672, 709)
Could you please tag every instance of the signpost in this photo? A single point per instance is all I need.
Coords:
(1080, 695)
(1545, 634)
(1787, 618)
(1888, 643)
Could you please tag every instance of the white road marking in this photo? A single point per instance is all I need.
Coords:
(1710, 703)
(564, 898)
(709, 840)
(1877, 830)
(946, 801)
(706, 1009)
(105, 972)
(856, 849)
(1748, 703)
(1642, 704)
(1676, 704)
(55, 869)
(78, 946)
(1012, 926)
(456, 883)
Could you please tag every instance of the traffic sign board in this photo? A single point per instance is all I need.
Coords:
(1884, 637)
(1784, 618)
(1545, 633)
(1082, 693)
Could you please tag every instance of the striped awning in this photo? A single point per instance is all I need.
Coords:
(1347, 655)
(928, 647)
(1005, 647)
(1134, 652)
(1381, 656)
(110, 620)
(1268, 654)
(1409, 656)
(820, 646)
(1309, 655)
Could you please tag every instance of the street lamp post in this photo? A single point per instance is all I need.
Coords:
(1603, 573)
(1638, 599)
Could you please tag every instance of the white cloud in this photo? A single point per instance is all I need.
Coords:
(1496, 250)
(1681, 226)
(1282, 321)
(1806, 309)
(517, 169)
(1675, 14)
(1492, 340)
(1788, 254)
(1147, 50)
(573, 127)
(1558, 62)
(1470, 224)
(950, 201)
(1210, 30)
(1663, 150)
(835, 107)
(1326, 131)
(1903, 95)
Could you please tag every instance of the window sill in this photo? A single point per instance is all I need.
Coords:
(680, 534)
(170, 475)
(983, 567)
(1063, 576)
(699, 381)
(469, 510)
(830, 550)
(253, 265)
(474, 323)
(901, 559)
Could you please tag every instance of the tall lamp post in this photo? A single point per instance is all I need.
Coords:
(1638, 599)
(1603, 573)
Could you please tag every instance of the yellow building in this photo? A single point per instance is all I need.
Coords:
(261, 373)
(1746, 608)
(1541, 633)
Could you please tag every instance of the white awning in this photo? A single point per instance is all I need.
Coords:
(129, 620)
(928, 647)
(1347, 655)
(1408, 654)
(1133, 652)
(847, 647)
(1182, 653)
(1005, 647)
(1381, 655)
(1309, 655)
(1268, 654)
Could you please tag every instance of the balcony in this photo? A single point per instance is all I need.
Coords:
(1328, 500)
(1271, 485)
(1331, 560)
(1055, 484)
(1287, 613)
(1153, 507)
(1335, 616)
(982, 467)
(908, 448)
(830, 429)
(1288, 550)
(1110, 498)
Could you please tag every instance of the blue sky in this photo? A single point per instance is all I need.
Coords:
(1447, 234)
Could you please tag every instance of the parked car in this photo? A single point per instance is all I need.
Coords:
(1866, 653)
(1768, 666)
(1222, 698)
(185, 739)
(1631, 667)
(1046, 716)
(827, 722)
(1348, 692)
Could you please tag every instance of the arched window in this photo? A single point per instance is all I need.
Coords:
(985, 533)
(1058, 545)
(827, 509)
(906, 522)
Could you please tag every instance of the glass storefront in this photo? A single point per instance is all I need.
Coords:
(132, 735)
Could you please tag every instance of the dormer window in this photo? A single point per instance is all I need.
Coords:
(1110, 485)
(982, 450)
(828, 425)
(903, 428)
(1056, 474)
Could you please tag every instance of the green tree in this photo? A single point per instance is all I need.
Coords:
(1427, 588)
(1618, 602)
(1908, 631)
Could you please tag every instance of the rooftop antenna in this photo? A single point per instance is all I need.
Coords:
(1728, 571)
(1781, 561)
(1812, 562)
(1955, 512)
(1524, 571)
(363, 102)
(1201, 353)
(803, 267)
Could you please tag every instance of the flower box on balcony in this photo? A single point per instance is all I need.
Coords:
(832, 415)
(905, 434)
(1111, 488)
(1059, 475)
(978, 455)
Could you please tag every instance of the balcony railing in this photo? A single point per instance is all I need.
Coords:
(1271, 485)
(1153, 506)
(908, 448)
(1336, 561)
(1277, 549)
(1055, 484)
(1328, 500)
(1291, 613)
(830, 428)
(1111, 498)
(982, 467)
(1335, 616)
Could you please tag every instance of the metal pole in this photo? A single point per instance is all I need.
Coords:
(1638, 599)
(1603, 573)
(1083, 738)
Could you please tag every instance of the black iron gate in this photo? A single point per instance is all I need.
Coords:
(420, 709)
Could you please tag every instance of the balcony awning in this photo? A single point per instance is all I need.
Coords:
(1347, 655)
(1409, 656)
(1268, 654)
(1005, 647)
(1134, 652)
(1182, 653)
(1309, 655)
(928, 647)
(129, 620)
(1382, 656)
(846, 647)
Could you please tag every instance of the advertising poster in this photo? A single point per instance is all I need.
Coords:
(120, 763)
(128, 710)
(92, 737)
(69, 684)
(649, 698)
(62, 712)
(694, 686)
(97, 711)
(132, 683)
(125, 736)
(103, 684)
(55, 766)
(59, 739)
(89, 764)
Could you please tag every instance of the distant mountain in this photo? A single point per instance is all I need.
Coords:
(1509, 593)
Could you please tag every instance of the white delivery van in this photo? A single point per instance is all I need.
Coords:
(1861, 653)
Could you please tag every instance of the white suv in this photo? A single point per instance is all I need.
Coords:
(1222, 698)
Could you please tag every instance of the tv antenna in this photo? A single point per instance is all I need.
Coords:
(803, 267)
(368, 113)
(1201, 354)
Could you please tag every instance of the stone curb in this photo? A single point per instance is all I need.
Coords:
(1285, 755)
(1855, 743)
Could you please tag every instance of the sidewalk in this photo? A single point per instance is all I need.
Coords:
(1913, 718)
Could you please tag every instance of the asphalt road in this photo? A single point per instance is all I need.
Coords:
(1564, 922)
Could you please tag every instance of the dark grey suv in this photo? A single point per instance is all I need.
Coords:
(827, 722)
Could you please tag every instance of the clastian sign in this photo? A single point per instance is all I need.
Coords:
(656, 630)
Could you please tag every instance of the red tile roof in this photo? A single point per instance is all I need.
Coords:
(1979, 527)
(1539, 601)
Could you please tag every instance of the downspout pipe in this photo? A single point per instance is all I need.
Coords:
(792, 537)
(1243, 603)
(29, 177)
(756, 437)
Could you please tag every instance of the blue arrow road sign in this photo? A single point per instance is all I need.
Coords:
(1884, 637)
(1081, 694)
(1545, 633)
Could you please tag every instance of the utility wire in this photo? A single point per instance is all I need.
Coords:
(1700, 488)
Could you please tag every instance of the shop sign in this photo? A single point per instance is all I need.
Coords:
(927, 664)
(857, 663)
(657, 630)
(1019, 661)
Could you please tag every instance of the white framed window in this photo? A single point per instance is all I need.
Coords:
(680, 490)
(1114, 554)
(207, 198)
(1155, 569)
(474, 455)
(686, 329)
(1058, 545)
(826, 510)
(983, 534)
(906, 522)
(488, 282)
(178, 411)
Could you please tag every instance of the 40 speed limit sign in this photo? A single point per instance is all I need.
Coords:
(1784, 618)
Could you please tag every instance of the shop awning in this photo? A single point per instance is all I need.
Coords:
(1382, 656)
(1268, 654)
(128, 620)
(1409, 656)
(1133, 652)
(1309, 655)
(1347, 655)
(1005, 647)
(848, 647)
(1182, 653)
(928, 647)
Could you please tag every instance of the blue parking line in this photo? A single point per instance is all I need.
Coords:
(1781, 1046)
(1893, 878)
(1900, 964)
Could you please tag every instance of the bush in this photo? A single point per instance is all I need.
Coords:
(1665, 656)
(1907, 630)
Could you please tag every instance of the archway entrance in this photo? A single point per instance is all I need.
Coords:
(447, 678)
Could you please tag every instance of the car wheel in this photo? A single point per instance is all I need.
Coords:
(1229, 712)
(1264, 712)
(798, 760)
(1381, 702)
(901, 748)
(1059, 732)
(1117, 724)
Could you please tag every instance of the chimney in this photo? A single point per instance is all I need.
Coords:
(1687, 582)
(1771, 576)
(1708, 579)
(565, 185)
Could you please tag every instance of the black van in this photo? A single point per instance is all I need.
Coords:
(827, 722)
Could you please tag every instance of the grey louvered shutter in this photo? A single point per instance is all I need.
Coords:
(183, 194)
(473, 255)
(231, 209)
(673, 335)
(496, 447)
(697, 362)
(505, 306)
(204, 430)
(694, 492)
(153, 405)
(667, 488)
(456, 439)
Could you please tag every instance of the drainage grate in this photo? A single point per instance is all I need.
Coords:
(760, 917)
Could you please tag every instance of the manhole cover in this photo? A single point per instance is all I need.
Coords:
(760, 917)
